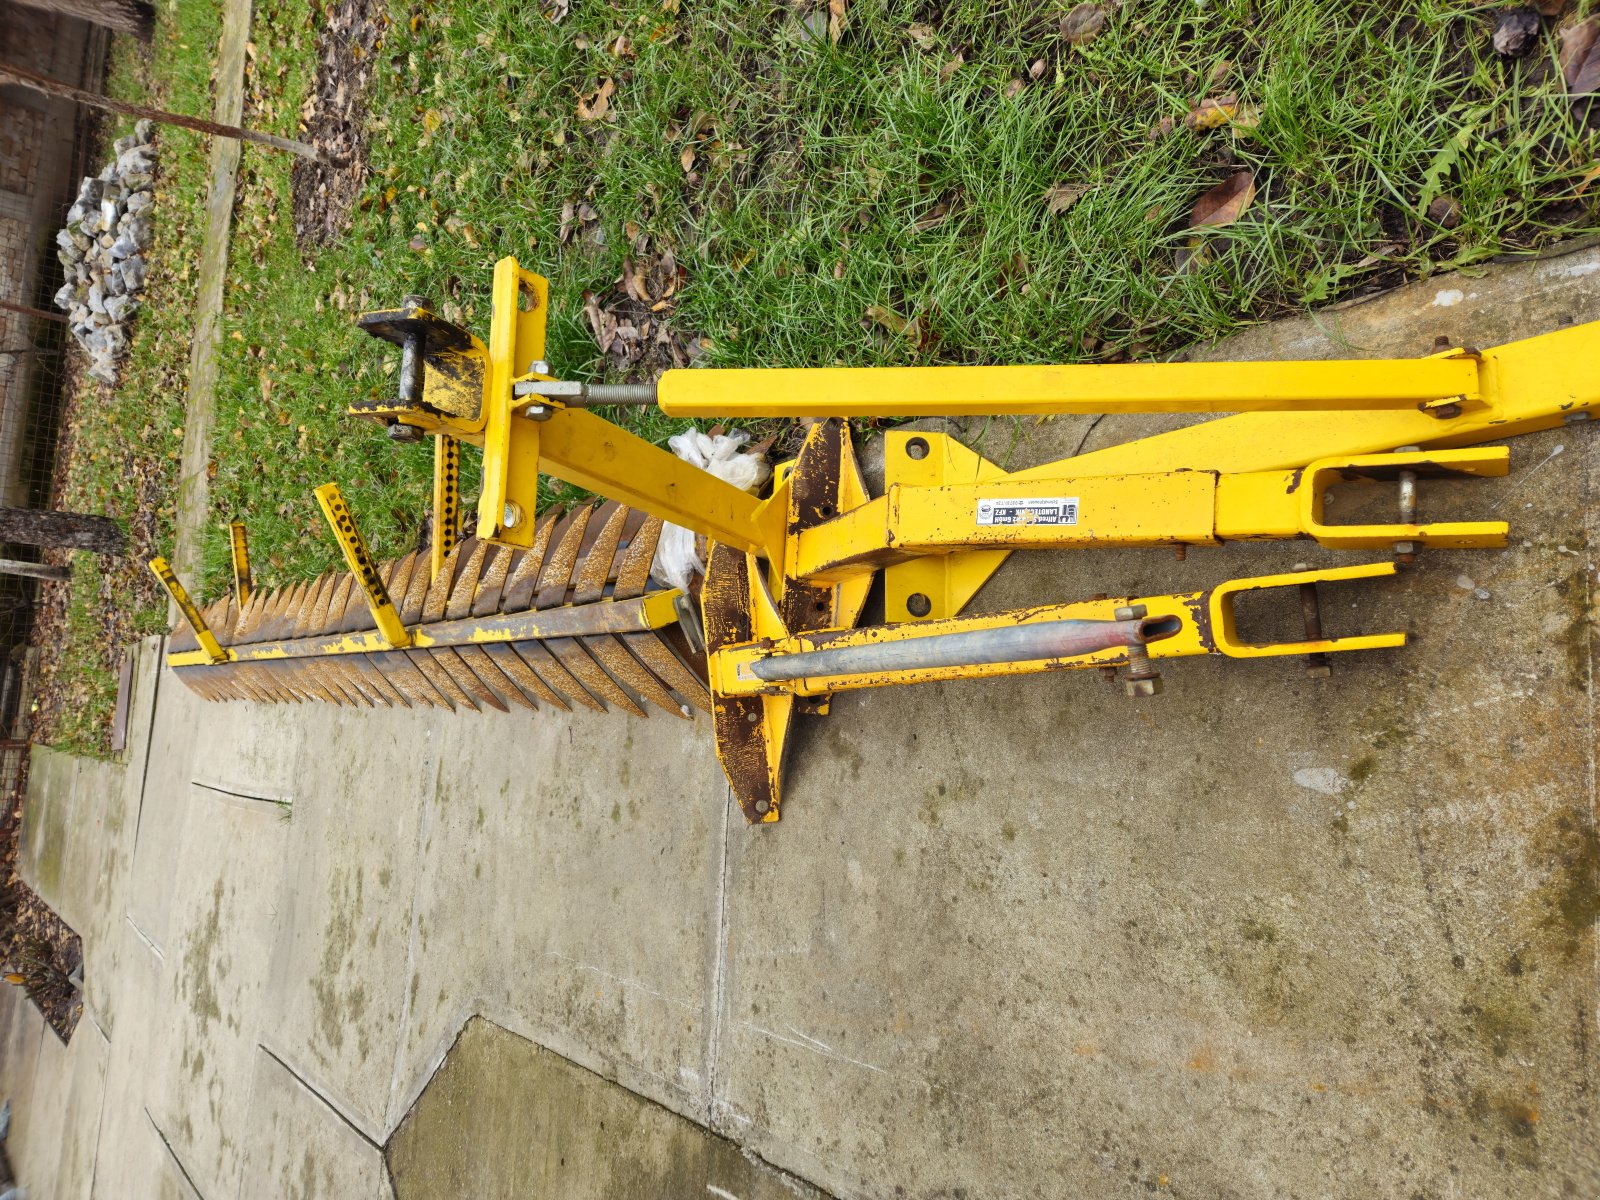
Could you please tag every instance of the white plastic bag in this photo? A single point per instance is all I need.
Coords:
(676, 560)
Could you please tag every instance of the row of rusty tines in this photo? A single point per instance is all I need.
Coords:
(578, 558)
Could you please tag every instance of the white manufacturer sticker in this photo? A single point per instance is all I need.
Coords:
(1034, 510)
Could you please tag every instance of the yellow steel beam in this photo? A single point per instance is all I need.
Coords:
(1064, 511)
(592, 453)
(657, 610)
(1207, 625)
(508, 501)
(210, 650)
(1076, 388)
(362, 566)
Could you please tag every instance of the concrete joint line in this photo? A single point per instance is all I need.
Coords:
(719, 976)
(357, 1124)
(249, 798)
(188, 1180)
(161, 955)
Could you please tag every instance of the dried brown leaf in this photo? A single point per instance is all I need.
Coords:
(687, 159)
(923, 35)
(1580, 57)
(595, 107)
(1224, 204)
(1063, 196)
(1083, 24)
(951, 67)
(835, 20)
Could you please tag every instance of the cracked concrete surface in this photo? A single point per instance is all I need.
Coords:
(1260, 936)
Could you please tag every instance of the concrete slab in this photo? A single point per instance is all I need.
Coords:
(336, 1007)
(227, 888)
(131, 1155)
(559, 1130)
(569, 888)
(76, 829)
(1257, 936)
(53, 1152)
(22, 1029)
(300, 1149)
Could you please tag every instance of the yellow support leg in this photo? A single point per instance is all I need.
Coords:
(180, 596)
(362, 565)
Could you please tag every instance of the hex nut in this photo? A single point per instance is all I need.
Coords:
(1131, 612)
(1136, 688)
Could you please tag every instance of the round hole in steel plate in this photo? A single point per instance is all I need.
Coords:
(918, 605)
(917, 448)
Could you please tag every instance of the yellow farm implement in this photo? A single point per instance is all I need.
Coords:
(559, 608)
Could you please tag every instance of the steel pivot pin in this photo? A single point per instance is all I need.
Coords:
(1317, 665)
(1405, 553)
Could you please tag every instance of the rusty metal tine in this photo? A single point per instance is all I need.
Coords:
(437, 679)
(302, 606)
(410, 684)
(577, 661)
(454, 662)
(548, 667)
(633, 573)
(524, 676)
(320, 614)
(378, 680)
(316, 599)
(556, 576)
(614, 657)
(416, 590)
(438, 593)
(518, 592)
(465, 585)
(653, 651)
(496, 680)
(492, 582)
(595, 572)
(442, 678)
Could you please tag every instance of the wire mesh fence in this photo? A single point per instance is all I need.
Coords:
(45, 149)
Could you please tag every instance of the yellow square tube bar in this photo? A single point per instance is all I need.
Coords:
(1070, 388)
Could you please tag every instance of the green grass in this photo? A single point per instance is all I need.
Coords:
(816, 166)
(121, 450)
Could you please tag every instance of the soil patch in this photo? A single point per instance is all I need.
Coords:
(335, 116)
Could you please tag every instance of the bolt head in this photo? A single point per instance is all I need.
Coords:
(399, 431)
(1318, 670)
(511, 517)
(1137, 688)
(1131, 612)
(539, 367)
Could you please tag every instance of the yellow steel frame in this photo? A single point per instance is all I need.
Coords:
(948, 517)
(362, 565)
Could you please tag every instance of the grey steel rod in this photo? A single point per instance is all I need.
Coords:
(1018, 643)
